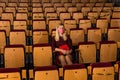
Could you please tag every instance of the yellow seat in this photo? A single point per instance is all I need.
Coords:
(60, 9)
(67, 4)
(94, 35)
(18, 37)
(72, 9)
(11, 9)
(105, 15)
(76, 38)
(102, 71)
(116, 14)
(87, 52)
(48, 9)
(2, 40)
(38, 16)
(113, 34)
(51, 15)
(79, 6)
(77, 16)
(108, 51)
(115, 22)
(39, 24)
(40, 36)
(84, 24)
(116, 8)
(69, 24)
(46, 73)
(3, 4)
(85, 10)
(7, 16)
(22, 9)
(98, 9)
(53, 24)
(56, 5)
(5, 25)
(103, 25)
(10, 74)
(75, 72)
(42, 55)
(20, 25)
(1, 10)
(37, 9)
(93, 16)
(64, 15)
(17, 58)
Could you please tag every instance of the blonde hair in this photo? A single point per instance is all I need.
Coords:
(57, 36)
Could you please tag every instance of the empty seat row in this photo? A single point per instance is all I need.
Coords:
(57, 9)
(92, 16)
(52, 23)
(94, 71)
(70, 72)
(19, 3)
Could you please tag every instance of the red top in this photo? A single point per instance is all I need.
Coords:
(61, 42)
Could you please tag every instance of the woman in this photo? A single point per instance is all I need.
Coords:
(62, 44)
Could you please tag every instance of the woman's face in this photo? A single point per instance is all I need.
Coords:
(61, 29)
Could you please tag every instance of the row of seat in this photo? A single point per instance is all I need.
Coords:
(40, 23)
(57, 15)
(42, 55)
(62, 16)
(10, 4)
(42, 36)
(104, 71)
(103, 24)
(24, 6)
(37, 16)
(53, 1)
(58, 9)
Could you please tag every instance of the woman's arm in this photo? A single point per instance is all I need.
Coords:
(61, 50)
(55, 48)
(69, 42)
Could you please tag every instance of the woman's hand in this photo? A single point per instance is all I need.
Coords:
(63, 51)
(68, 51)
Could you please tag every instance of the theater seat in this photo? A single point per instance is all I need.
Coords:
(75, 72)
(76, 38)
(46, 73)
(14, 56)
(42, 55)
(10, 74)
(40, 36)
(87, 52)
(5, 25)
(108, 51)
(117, 69)
(95, 35)
(2, 40)
(102, 71)
(7, 16)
